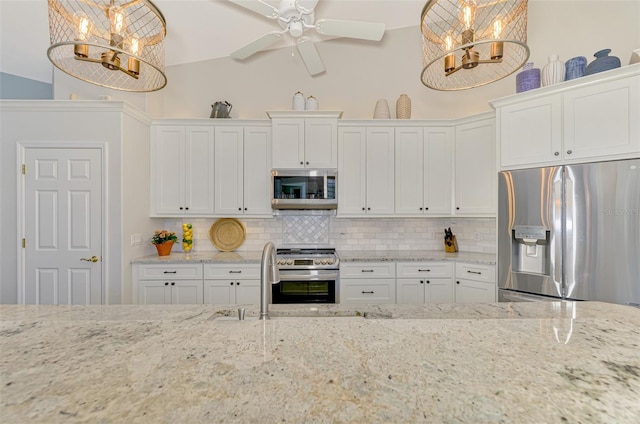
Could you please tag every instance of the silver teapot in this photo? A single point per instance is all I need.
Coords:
(220, 110)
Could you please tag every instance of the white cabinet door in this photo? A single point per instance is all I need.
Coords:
(229, 147)
(531, 132)
(438, 170)
(186, 292)
(424, 171)
(257, 170)
(198, 169)
(602, 120)
(469, 291)
(219, 292)
(182, 171)
(410, 291)
(320, 143)
(475, 173)
(352, 171)
(410, 171)
(380, 171)
(439, 290)
(167, 171)
(154, 292)
(288, 143)
(248, 292)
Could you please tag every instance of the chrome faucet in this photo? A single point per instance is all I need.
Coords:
(268, 275)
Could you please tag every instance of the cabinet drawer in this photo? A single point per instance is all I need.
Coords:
(173, 271)
(425, 269)
(475, 272)
(241, 271)
(368, 270)
(381, 290)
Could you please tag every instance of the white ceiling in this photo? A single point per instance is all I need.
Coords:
(196, 29)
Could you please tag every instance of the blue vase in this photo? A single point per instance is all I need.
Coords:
(575, 68)
(603, 62)
(528, 78)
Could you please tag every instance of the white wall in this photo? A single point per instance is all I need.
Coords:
(358, 73)
(54, 122)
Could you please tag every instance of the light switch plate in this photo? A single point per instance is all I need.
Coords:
(136, 239)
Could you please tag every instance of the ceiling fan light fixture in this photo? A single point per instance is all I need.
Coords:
(470, 43)
(126, 37)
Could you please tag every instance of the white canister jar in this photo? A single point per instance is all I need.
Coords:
(298, 101)
(312, 103)
(553, 72)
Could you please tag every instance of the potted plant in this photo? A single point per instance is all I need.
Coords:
(163, 240)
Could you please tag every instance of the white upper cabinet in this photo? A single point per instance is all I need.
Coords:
(475, 167)
(366, 171)
(305, 140)
(588, 119)
(242, 170)
(423, 170)
(182, 171)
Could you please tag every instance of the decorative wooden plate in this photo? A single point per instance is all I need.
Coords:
(227, 234)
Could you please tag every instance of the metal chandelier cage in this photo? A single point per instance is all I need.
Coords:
(470, 43)
(117, 44)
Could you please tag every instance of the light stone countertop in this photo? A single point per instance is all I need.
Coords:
(252, 257)
(508, 362)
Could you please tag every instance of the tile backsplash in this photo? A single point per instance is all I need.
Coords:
(472, 234)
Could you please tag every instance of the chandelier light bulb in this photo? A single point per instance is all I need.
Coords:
(497, 28)
(116, 21)
(83, 29)
(468, 14)
(450, 59)
(133, 64)
(497, 47)
(135, 45)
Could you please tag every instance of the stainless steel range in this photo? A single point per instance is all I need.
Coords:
(307, 275)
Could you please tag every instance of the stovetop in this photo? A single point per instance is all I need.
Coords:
(307, 258)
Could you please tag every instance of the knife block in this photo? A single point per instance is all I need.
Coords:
(453, 248)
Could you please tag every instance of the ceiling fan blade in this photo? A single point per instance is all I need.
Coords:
(307, 4)
(310, 56)
(259, 7)
(257, 45)
(351, 29)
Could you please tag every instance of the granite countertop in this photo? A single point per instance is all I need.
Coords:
(505, 362)
(251, 257)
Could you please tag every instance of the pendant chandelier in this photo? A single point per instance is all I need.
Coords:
(469, 43)
(117, 44)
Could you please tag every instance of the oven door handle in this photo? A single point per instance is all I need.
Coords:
(307, 277)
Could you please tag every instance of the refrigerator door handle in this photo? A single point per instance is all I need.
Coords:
(558, 234)
(569, 233)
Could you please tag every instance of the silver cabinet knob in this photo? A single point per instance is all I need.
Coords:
(556, 153)
(569, 152)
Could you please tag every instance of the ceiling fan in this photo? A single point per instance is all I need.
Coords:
(297, 16)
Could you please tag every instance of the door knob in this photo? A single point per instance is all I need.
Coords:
(91, 259)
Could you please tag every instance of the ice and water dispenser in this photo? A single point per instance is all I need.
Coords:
(530, 249)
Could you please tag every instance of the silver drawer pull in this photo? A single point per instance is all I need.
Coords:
(235, 272)
(367, 270)
(369, 292)
(474, 272)
(424, 270)
(171, 272)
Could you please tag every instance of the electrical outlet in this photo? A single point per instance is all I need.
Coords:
(136, 239)
(477, 236)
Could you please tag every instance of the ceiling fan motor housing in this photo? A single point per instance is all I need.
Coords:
(293, 19)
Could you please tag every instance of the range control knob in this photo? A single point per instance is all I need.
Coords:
(316, 261)
(330, 261)
(289, 261)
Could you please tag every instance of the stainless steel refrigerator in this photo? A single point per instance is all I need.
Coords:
(570, 232)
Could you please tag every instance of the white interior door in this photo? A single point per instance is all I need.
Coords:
(63, 226)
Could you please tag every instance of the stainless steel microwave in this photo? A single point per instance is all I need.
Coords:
(304, 189)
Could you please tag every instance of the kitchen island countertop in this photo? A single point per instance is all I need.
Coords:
(253, 257)
(505, 362)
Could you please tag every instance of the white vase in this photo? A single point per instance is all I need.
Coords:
(382, 110)
(553, 72)
(298, 101)
(403, 107)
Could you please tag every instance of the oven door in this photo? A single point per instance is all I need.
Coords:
(306, 286)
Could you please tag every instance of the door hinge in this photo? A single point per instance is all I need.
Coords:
(24, 243)
(24, 169)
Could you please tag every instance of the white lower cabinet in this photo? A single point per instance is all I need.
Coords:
(424, 282)
(368, 282)
(231, 284)
(475, 283)
(168, 284)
